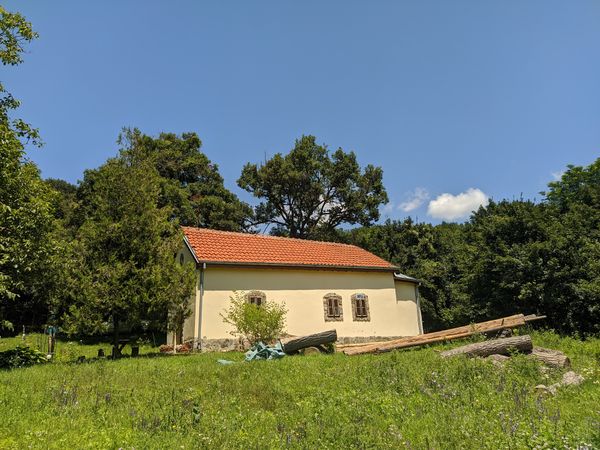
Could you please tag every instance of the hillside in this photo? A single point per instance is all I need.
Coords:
(408, 399)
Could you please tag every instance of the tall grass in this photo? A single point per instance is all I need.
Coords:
(407, 399)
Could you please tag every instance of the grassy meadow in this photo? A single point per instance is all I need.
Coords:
(406, 399)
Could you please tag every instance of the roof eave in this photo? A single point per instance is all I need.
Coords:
(406, 278)
(190, 248)
(301, 266)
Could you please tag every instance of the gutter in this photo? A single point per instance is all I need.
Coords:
(302, 266)
(199, 308)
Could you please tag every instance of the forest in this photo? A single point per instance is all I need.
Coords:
(97, 255)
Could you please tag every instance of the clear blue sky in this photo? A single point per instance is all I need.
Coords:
(446, 96)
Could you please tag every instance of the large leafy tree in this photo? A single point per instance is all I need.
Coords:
(574, 289)
(25, 201)
(189, 182)
(126, 246)
(309, 192)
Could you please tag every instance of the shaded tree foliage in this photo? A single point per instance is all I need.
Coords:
(509, 257)
(126, 247)
(25, 201)
(189, 182)
(309, 192)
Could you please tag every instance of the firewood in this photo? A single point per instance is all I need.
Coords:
(496, 346)
(552, 358)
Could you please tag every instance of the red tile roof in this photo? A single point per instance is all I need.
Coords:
(254, 249)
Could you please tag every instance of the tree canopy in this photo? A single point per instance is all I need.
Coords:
(126, 245)
(309, 192)
(25, 201)
(189, 182)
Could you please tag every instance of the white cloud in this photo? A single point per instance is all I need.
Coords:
(558, 175)
(416, 199)
(388, 208)
(452, 207)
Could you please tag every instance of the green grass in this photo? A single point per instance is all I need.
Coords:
(68, 350)
(405, 399)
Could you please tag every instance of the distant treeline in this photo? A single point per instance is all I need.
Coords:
(510, 256)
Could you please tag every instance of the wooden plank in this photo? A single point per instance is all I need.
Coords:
(440, 336)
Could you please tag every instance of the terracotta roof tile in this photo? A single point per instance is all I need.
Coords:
(245, 248)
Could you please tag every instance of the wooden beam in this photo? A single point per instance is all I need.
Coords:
(514, 321)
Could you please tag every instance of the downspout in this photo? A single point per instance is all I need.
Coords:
(199, 324)
(418, 298)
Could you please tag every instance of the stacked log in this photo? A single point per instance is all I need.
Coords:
(498, 351)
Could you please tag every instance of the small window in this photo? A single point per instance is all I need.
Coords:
(181, 259)
(256, 298)
(360, 307)
(332, 307)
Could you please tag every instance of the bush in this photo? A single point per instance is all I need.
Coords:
(21, 356)
(255, 323)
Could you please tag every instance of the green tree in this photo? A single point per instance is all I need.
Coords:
(255, 323)
(25, 201)
(309, 192)
(128, 271)
(573, 290)
(189, 182)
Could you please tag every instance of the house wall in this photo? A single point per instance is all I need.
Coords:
(392, 305)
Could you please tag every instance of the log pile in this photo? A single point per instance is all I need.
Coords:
(498, 351)
(504, 346)
(489, 326)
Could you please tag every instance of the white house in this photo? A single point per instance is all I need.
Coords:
(323, 285)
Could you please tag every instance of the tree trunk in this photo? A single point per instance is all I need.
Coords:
(116, 352)
(552, 358)
(291, 345)
(497, 346)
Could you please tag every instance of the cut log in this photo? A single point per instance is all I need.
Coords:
(292, 345)
(552, 358)
(497, 346)
(439, 336)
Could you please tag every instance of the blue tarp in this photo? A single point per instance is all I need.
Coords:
(260, 350)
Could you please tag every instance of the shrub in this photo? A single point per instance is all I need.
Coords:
(255, 323)
(21, 356)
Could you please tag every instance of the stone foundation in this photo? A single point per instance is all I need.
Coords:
(239, 344)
